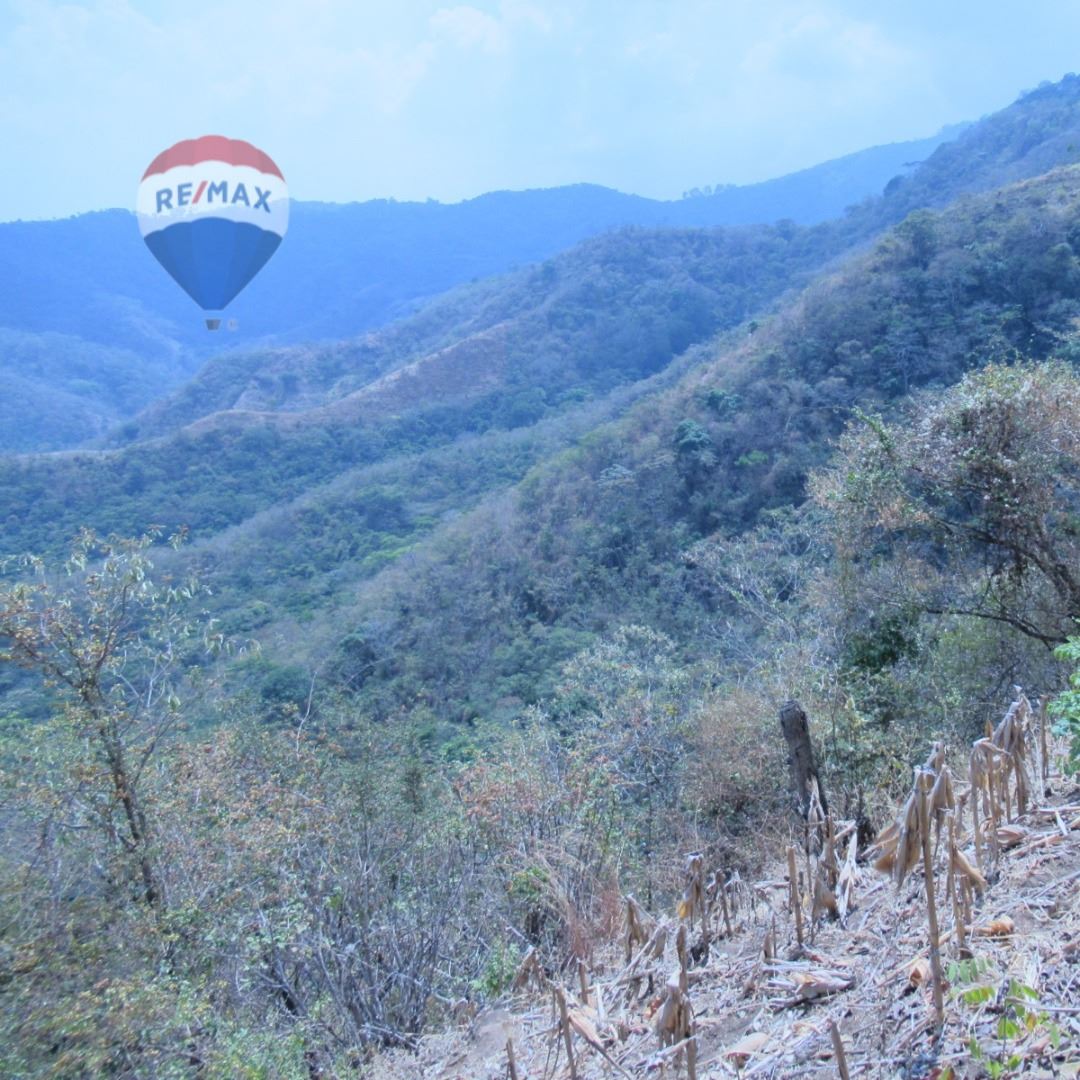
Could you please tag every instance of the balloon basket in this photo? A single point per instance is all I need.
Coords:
(213, 324)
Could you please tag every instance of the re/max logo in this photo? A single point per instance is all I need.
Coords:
(214, 193)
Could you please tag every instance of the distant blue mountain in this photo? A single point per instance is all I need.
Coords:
(345, 268)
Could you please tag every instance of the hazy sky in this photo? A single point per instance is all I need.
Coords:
(411, 99)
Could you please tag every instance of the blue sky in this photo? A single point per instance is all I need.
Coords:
(414, 99)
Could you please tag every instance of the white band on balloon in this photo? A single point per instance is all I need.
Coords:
(212, 189)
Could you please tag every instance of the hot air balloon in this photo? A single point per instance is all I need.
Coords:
(212, 211)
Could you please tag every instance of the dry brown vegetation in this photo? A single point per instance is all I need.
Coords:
(948, 949)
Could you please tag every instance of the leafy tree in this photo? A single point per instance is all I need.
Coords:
(110, 642)
(968, 506)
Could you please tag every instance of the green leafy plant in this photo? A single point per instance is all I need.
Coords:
(498, 974)
(1066, 706)
(976, 984)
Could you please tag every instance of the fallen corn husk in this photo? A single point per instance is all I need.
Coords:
(1008, 836)
(962, 865)
(806, 984)
(747, 1045)
(919, 972)
(1002, 926)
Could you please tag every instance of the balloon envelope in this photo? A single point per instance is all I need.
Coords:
(212, 211)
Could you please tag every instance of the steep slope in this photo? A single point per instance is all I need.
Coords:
(328, 467)
(842, 983)
(475, 619)
(598, 536)
(1026, 139)
(616, 307)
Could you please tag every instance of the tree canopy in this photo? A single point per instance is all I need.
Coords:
(969, 504)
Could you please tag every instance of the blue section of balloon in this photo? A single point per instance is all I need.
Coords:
(212, 259)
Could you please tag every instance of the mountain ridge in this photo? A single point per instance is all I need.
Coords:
(345, 269)
(1021, 138)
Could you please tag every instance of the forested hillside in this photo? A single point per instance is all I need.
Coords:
(501, 355)
(284, 883)
(1024, 140)
(1038, 132)
(598, 534)
(347, 269)
(601, 535)
(327, 463)
(608, 311)
(58, 391)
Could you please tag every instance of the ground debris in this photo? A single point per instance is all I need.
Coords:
(855, 997)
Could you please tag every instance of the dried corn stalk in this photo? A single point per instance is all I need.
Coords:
(883, 850)
(1044, 749)
(936, 761)
(941, 800)
(925, 782)
(529, 972)
(565, 1029)
(962, 866)
(988, 778)
(642, 966)
(897, 849)
(962, 879)
(580, 1021)
(693, 897)
(636, 927)
(657, 943)
(717, 892)
(845, 884)
(794, 897)
(824, 900)
(828, 860)
(815, 818)
(675, 1019)
(1010, 736)
(768, 947)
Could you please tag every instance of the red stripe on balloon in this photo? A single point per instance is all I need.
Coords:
(213, 148)
(198, 194)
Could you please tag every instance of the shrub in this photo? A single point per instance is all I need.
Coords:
(1066, 706)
